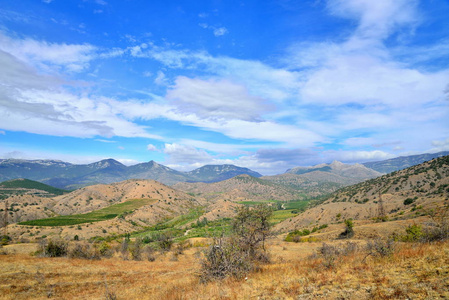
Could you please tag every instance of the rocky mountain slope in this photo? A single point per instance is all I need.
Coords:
(399, 195)
(69, 176)
(215, 173)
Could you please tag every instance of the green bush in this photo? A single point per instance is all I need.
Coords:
(349, 230)
(53, 248)
(4, 240)
(408, 201)
(413, 233)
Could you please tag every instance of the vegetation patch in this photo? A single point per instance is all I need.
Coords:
(103, 214)
(21, 186)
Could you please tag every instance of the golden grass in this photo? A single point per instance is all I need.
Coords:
(414, 271)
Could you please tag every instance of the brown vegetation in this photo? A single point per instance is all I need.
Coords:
(298, 271)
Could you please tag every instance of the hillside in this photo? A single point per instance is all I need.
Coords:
(166, 203)
(399, 195)
(324, 178)
(402, 162)
(25, 186)
(240, 188)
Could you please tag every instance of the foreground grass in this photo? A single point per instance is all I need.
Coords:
(103, 214)
(414, 271)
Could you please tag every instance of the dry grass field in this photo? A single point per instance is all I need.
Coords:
(413, 271)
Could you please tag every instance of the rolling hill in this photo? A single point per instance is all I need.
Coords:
(146, 202)
(404, 194)
(25, 186)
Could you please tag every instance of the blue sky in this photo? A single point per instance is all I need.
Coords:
(267, 85)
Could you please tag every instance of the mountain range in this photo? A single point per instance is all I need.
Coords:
(70, 176)
(65, 175)
(402, 162)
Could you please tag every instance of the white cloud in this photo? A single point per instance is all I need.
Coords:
(220, 31)
(105, 141)
(358, 142)
(160, 78)
(376, 19)
(368, 80)
(37, 104)
(221, 148)
(151, 147)
(183, 154)
(49, 56)
(440, 145)
(215, 99)
(357, 156)
(2, 132)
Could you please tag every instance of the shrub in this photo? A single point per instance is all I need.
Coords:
(124, 248)
(225, 258)
(105, 249)
(349, 230)
(295, 236)
(165, 242)
(330, 255)
(83, 250)
(438, 228)
(408, 201)
(136, 250)
(413, 233)
(4, 240)
(53, 248)
(379, 247)
(149, 253)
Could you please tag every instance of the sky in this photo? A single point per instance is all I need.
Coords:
(268, 85)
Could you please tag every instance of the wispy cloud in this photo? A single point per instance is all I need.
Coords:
(49, 56)
(220, 31)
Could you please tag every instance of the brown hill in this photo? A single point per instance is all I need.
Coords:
(399, 195)
(240, 188)
(167, 203)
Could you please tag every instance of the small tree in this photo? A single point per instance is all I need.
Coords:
(251, 227)
(349, 230)
(237, 255)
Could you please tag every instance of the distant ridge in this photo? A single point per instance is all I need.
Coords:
(215, 173)
(65, 175)
(323, 178)
(402, 162)
(70, 176)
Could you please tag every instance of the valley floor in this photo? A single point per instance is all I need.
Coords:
(413, 271)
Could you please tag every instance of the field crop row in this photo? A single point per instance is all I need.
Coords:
(94, 216)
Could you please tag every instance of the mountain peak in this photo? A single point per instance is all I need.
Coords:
(106, 163)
